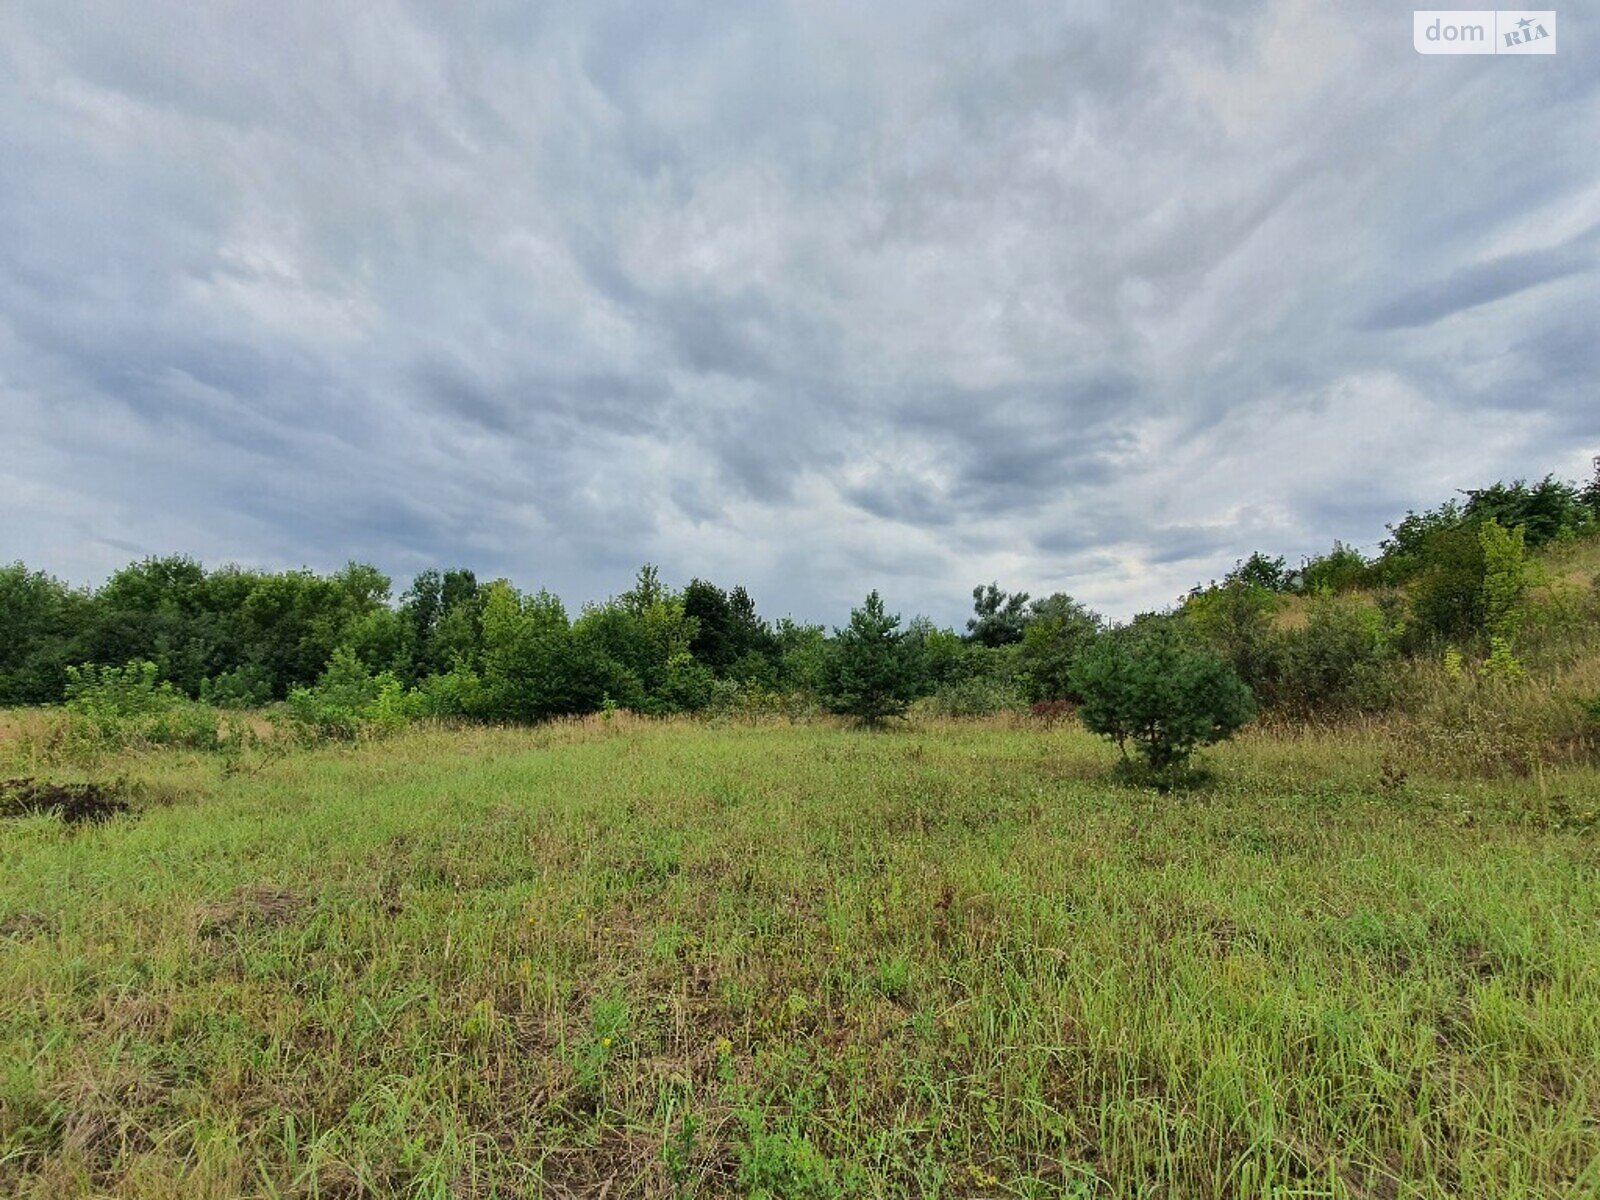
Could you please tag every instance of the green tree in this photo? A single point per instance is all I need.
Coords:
(1060, 630)
(1590, 495)
(40, 624)
(440, 612)
(1262, 571)
(998, 619)
(1148, 685)
(803, 655)
(646, 632)
(162, 610)
(1414, 541)
(870, 674)
(535, 665)
(728, 631)
(1339, 570)
(1545, 511)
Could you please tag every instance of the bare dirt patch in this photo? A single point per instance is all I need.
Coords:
(257, 907)
(74, 803)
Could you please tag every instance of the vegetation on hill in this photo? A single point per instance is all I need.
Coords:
(1475, 622)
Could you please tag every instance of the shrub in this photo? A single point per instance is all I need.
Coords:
(1146, 684)
(685, 684)
(1235, 620)
(1341, 659)
(131, 706)
(243, 687)
(456, 693)
(348, 702)
(730, 698)
(979, 695)
(1445, 594)
(1505, 586)
(111, 693)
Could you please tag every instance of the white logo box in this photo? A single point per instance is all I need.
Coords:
(1484, 31)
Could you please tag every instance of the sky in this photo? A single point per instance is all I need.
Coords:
(815, 298)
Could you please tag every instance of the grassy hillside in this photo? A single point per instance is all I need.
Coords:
(627, 958)
(1463, 722)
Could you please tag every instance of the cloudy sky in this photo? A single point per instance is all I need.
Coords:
(813, 297)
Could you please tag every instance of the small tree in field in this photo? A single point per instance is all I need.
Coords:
(1146, 684)
(870, 673)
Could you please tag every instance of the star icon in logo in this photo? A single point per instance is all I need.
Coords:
(1524, 23)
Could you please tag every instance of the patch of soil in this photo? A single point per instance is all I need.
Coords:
(74, 803)
(262, 906)
(23, 925)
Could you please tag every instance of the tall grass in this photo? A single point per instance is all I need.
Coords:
(618, 957)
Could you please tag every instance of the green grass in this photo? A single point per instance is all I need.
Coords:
(674, 959)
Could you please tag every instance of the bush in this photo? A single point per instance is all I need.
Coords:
(975, 696)
(131, 706)
(1445, 593)
(243, 687)
(730, 698)
(349, 702)
(1505, 586)
(1340, 570)
(1236, 621)
(456, 693)
(1146, 684)
(1262, 571)
(1341, 660)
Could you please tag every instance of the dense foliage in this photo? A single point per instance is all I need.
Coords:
(337, 655)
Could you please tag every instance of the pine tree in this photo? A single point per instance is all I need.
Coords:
(870, 675)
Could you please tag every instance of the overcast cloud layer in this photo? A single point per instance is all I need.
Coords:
(810, 297)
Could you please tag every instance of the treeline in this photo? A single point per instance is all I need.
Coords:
(1452, 580)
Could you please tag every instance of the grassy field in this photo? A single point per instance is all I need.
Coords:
(620, 958)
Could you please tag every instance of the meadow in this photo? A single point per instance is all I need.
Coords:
(628, 957)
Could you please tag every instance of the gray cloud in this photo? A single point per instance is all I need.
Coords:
(1484, 283)
(814, 298)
